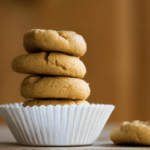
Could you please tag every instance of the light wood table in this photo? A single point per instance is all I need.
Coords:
(7, 141)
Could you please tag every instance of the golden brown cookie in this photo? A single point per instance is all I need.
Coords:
(32, 103)
(49, 64)
(132, 133)
(54, 87)
(67, 42)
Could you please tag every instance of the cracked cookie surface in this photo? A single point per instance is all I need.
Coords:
(62, 102)
(67, 42)
(35, 86)
(132, 133)
(49, 64)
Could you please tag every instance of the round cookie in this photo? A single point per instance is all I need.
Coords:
(67, 42)
(35, 86)
(32, 103)
(131, 133)
(49, 64)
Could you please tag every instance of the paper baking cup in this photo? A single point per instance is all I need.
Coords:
(56, 125)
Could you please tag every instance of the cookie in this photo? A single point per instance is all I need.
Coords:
(49, 64)
(67, 42)
(132, 133)
(35, 86)
(32, 103)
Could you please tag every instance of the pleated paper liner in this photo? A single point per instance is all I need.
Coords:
(56, 125)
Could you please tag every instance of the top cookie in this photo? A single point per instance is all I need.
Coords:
(132, 133)
(67, 42)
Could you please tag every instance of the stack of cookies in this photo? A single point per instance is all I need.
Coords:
(56, 69)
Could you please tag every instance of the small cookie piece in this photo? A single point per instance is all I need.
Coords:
(32, 103)
(132, 133)
(35, 86)
(49, 64)
(67, 42)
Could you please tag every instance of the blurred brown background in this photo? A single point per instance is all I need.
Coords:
(117, 33)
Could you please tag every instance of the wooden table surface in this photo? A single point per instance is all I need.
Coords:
(7, 141)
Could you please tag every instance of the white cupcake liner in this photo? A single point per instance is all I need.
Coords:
(56, 125)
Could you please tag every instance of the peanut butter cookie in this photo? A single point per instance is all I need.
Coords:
(132, 133)
(35, 86)
(32, 103)
(68, 42)
(49, 64)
